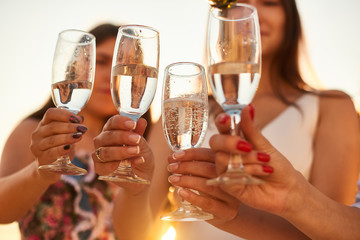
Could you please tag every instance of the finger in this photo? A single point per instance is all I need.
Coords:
(55, 141)
(51, 154)
(116, 138)
(61, 115)
(112, 154)
(196, 168)
(229, 143)
(258, 169)
(119, 122)
(219, 209)
(192, 154)
(141, 125)
(251, 132)
(252, 157)
(249, 159)
(199, 184)
(103, 168)
(55, 128)
(223, 122)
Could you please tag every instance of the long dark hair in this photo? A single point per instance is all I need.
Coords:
(101, 33)
(286, 64)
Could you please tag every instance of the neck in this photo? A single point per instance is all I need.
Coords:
(265, 81)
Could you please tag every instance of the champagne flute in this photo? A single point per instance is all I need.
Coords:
(133, 83)
(73, 73)
(234, 65)
(184, 120)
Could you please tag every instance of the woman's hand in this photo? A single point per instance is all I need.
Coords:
(121, 139)
(191, 169)
(54, 137)
(264, 162)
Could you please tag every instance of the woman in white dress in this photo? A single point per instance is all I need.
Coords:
(317, 131)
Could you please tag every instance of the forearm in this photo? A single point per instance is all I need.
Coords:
(251, 223)
(132, 215)
(322, 218)
(19, 192)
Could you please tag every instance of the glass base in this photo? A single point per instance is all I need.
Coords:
(188, 213)
(234, 177)
(66, 169)
(123, 176)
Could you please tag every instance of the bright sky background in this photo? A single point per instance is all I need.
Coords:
(29, 31)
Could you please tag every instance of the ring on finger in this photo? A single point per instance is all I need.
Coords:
(97, 153)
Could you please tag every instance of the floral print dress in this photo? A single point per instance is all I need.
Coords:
(75, 207)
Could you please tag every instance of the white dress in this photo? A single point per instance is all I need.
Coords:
(292, 133)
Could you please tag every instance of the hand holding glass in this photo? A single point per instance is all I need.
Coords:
(133, 82)
(234, 59)
(184, 119)
(72, 80)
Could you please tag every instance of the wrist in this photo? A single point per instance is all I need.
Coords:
(297, 198)
(136, 191)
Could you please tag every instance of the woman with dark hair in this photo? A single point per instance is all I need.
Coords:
(316, 130)
(48, 205)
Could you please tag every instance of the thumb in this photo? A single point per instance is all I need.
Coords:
(251, 132)
(140, 126)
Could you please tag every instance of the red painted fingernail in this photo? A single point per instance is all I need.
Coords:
(252, 111)
(224, 118)
(244, 146)
(267, 169)
(263, 157)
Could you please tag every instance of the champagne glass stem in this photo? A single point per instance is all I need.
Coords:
(235, 173)
(235, 161)
(63, 165)
(124, 173)
(63, 160)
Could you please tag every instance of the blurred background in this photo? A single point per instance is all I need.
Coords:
(29, 32)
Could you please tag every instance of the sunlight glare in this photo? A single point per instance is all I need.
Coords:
(170, 234)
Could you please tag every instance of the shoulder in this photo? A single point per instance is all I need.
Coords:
(25, 127)
(336, 103)
(22, 133)
(16, 153)
(335, 98)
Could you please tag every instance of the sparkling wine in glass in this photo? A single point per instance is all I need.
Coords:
(234, 68)
(133, 83)
(221, 3)
(184, 119)
(73, 73)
